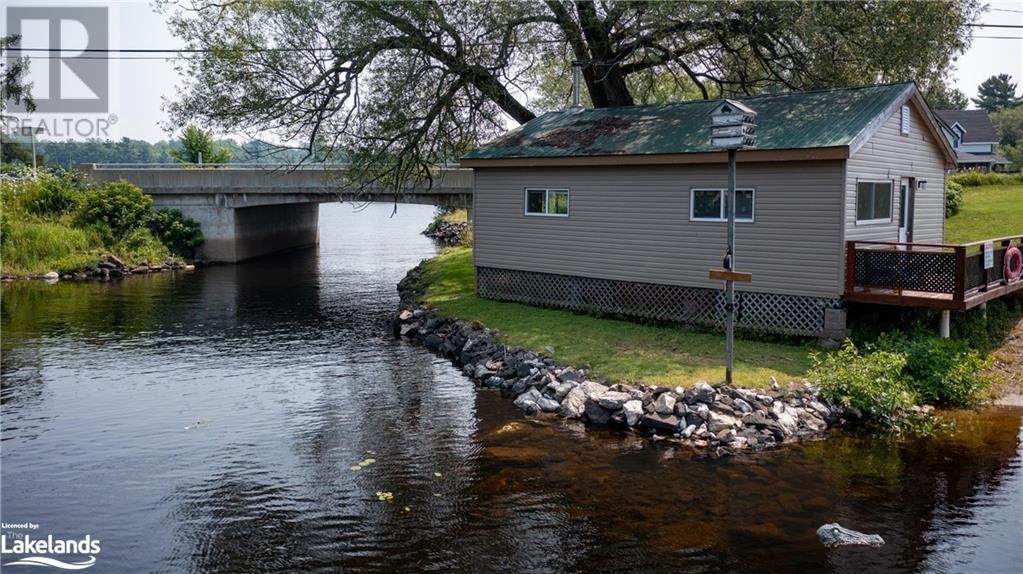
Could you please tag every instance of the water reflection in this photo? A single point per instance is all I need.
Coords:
(283, 374)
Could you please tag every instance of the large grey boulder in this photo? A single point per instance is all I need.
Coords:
(720, 421)
(633, 412)
(785, 418)
(614, 400)
(527, 401)
(548, 405)
(701, 392)
(596, 414)
(666, 423)
(574, 404)
(664, 404)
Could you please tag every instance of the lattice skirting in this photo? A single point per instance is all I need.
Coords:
(767, 312)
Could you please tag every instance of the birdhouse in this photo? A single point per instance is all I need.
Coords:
(732, 126)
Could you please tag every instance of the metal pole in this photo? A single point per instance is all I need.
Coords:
(730, 285)
(33, 134)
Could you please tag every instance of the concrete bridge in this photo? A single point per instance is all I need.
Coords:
(248, 210)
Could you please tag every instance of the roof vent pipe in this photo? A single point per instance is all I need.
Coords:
(577, 70)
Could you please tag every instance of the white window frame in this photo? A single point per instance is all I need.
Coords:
(904, 124)
(546, 201)
(724, 216)
(891, 203)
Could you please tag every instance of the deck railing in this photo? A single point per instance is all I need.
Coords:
(943, 275)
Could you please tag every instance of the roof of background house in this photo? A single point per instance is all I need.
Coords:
(976, 123)
(785, 121)
(967, 157)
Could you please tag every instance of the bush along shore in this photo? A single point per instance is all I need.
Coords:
(55, 224)
(720, 418)
(108, 268)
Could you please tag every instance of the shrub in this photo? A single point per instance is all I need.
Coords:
(941, 371)
(180, 234)
(141, 245)
(976, 178)
(953, 198)
(115, 209)
(52, 195)
(871, 383)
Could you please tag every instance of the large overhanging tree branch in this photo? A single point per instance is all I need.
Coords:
(398, 87)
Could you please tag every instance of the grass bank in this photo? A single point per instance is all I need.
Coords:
(54, 221)
(988, 211)
(618, 350)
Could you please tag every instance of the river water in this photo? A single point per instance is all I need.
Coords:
(209, 422)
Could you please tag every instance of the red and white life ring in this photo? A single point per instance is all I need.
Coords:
(1013, 264)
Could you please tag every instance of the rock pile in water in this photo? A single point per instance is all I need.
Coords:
(448, 232)
(110, 267)
(720, 417)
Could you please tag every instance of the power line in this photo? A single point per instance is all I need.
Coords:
(995, 25)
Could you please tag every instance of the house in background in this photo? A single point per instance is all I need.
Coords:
(973, 138)
(621, 211)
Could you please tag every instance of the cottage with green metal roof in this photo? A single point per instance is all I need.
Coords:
(620, 210)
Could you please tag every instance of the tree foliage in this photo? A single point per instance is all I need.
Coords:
(996, 92)
(942, 97)
(196, 145)
(400, 86)
(12, 73)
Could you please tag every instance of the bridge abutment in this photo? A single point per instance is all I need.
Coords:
(234, 234)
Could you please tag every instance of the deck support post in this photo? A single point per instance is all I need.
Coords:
(945, 326)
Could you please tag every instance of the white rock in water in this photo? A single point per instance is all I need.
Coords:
(52, 277)
(633, 412)
(834, 534)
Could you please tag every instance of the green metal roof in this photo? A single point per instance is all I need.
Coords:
(792, 120)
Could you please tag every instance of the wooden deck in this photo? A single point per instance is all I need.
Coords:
(935, 275)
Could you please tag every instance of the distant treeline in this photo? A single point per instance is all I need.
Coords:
(126, 150)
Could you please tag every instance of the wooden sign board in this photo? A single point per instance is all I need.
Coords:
(726, 275)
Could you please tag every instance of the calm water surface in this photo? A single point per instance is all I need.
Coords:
(208, 422)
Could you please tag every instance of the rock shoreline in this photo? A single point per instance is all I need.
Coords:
(448, 233)
(109, 268)
(720, 418)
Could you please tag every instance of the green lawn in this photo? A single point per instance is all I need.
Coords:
(618, 350)
(988, 211)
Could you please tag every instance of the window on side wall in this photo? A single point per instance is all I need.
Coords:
(874, 202)
(547, 201)
(711, 205)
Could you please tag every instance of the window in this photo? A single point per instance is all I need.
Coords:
(709, 205)
(553, 202)
(905, 120)
(873, 202)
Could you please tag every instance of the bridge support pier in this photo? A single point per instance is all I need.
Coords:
(234, 234)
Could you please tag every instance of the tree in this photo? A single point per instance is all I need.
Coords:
(197, 146)
(13, 72)
(12, 151)
(399, 86)
(942, 97)
(995, 93)
(1008, 124)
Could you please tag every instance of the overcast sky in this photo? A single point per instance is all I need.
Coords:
(140, 85)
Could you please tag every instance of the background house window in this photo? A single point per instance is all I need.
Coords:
(709, 205)
(547, 202)
(873, 201)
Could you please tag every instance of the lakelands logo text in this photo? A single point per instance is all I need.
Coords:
(41, 551)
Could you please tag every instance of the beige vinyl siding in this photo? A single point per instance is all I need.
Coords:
(890, 156)
(631, 223)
